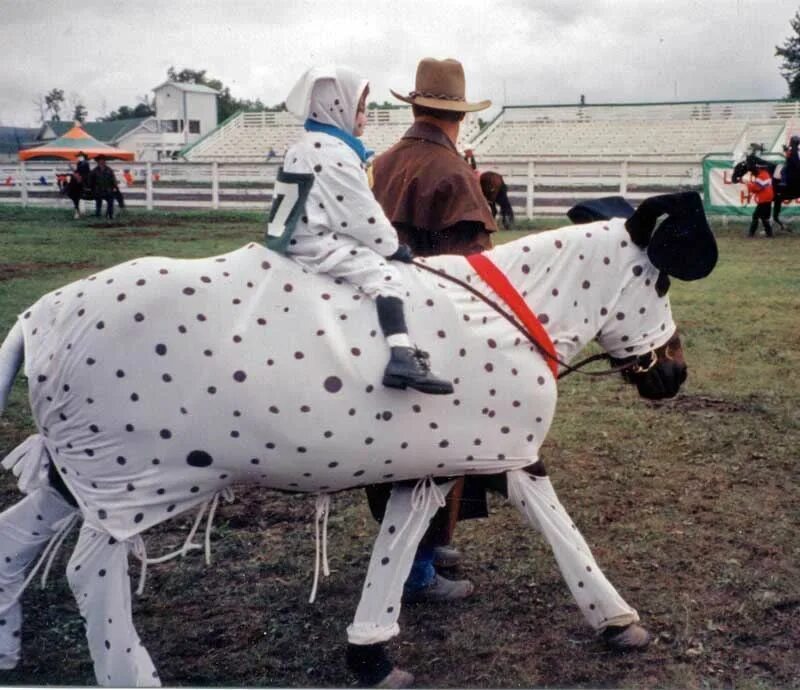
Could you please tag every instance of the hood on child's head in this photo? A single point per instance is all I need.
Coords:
(328, 94)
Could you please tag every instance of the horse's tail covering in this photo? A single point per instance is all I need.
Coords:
(11, 354)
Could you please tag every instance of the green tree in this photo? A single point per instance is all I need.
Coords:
(80, 113)
(790, 52)
(125, 112)
(227, 105)
(54, 101)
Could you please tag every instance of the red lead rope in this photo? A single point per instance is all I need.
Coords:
(497, 280)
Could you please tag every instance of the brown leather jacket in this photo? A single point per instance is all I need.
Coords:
(431, 195)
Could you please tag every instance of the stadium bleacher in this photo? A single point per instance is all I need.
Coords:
(690, 130)
(687, 130)
(257, 136)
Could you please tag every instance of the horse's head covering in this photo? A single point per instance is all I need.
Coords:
(682, 245)
(328, 94)
(441, 85)
(605, 208)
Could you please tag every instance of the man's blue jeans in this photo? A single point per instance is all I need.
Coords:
(98, 205)
(422, 570)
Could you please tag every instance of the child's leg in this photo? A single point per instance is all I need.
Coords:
(392, 319)
(378, 278)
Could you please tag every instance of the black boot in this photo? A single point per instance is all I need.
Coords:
(372, 667)
(753, 228)
(408, 367)
(767, 228)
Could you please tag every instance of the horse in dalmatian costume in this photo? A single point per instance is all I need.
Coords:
(158, 384)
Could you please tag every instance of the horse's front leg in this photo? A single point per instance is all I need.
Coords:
(408, 513)
(532, 493)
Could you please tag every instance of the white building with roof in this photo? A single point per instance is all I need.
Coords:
(186, 109)
(185, 113)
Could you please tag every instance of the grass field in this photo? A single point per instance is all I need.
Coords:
(691, 506)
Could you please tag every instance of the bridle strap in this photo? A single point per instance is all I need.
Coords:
(553, 360)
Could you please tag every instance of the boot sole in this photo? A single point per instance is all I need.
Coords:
(401, 383)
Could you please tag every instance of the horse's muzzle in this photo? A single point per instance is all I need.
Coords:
(662, 381)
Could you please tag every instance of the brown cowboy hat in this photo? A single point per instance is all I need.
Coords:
(441, 85)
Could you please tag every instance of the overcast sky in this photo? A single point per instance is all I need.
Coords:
(111, 52)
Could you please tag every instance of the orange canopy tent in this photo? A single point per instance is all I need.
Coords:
(72, 143)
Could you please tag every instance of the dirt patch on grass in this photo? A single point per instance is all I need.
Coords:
(21, 270)
(702, 403)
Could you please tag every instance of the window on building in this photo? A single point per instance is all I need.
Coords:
(194, 126)
(169, 125)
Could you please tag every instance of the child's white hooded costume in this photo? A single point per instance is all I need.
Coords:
(336, 226)
(343, 231)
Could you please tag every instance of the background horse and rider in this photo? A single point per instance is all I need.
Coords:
(75, 188)
(77, 185)
(494, 190)
(786, 184)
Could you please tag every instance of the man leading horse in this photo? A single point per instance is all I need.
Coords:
(434, 200)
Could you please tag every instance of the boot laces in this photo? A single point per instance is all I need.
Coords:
(423, 359)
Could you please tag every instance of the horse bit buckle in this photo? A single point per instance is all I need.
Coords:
(641, 369)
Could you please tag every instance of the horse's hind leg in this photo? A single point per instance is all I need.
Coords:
(25, 529)
(375, 621)
(98, 577)
(597, 599)
(776, 210)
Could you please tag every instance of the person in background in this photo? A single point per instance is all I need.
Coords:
(469, 156)
(82, 168)
(103, 182)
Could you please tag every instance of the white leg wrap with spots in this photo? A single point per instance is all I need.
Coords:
(407, 516)
(11, 355)
(98, 576)
(597, 599)
(25, 529)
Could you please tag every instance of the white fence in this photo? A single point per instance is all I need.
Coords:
(544, 186)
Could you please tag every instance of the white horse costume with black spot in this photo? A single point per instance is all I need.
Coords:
(158, 383)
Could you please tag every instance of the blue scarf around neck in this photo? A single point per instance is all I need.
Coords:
(353, 142)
